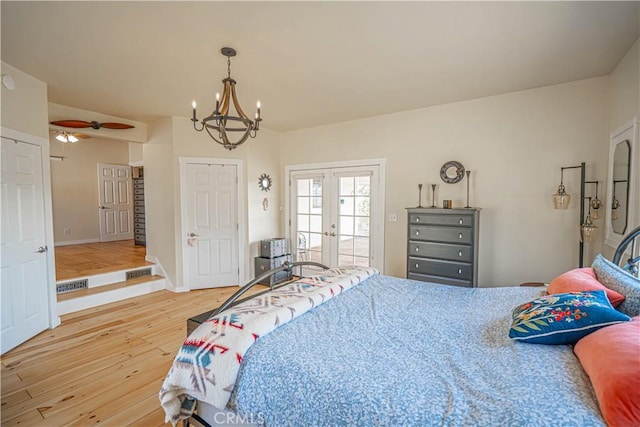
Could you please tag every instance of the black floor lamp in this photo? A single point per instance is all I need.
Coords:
(561, 199)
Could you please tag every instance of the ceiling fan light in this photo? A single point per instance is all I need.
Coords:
(60, 137)
(72, 139)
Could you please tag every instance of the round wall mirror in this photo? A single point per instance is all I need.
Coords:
(452, 172)
(264, 182)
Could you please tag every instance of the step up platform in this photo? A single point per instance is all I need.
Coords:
(91, 291)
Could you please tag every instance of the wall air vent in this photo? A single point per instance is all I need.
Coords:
(73, 285)
(134, 274)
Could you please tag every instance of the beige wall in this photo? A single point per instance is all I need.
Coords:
(135, 152)
(514, 144)
(159, 200)
(173, 138)
(625, 105)
(25, 108)
(74, 186)
(625, 88)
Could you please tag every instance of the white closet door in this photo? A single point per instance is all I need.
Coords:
(212, 224)
(24, 293)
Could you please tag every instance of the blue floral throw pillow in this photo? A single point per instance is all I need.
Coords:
(563, 318)
(616, 279)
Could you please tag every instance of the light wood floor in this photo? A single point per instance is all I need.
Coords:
(102, 365)
(97, 258)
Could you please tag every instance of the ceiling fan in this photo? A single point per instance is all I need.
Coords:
(94, 124)
(69, 137)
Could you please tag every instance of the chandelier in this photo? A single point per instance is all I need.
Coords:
(226, 129)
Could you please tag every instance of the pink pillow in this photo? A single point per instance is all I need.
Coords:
(582, 280)
(611, 358)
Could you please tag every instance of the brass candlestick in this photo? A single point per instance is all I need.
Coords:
(419, 195)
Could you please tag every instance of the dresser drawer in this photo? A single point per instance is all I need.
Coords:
(138, 191)
(138, 219)
(138, 209)
(138, 197)
(456, 270)
(441, 280)
(456, 220)
(441, 250)
(139, 203)
(441, 234)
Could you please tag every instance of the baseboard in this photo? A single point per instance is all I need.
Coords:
(160, 270)
(76, 242)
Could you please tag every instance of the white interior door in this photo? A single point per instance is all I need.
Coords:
(335, 216)
(212, 225)
(24, 294)
(116, 206)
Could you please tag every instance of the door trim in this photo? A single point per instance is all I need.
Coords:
(378, 224)
(182, 246)
(54, 319)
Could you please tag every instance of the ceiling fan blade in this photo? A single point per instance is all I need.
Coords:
(94, 124)
(72, 123)
(80, 135)
(116, 126)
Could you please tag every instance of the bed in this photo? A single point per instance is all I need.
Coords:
(353, 347)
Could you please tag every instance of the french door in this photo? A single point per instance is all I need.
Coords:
(335, 215)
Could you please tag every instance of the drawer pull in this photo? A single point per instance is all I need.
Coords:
(460, 236)
(418, 219)
(417, 233)
(460, 221)
(417, 265)
(459, 253)
(417, 249)
(459, 271)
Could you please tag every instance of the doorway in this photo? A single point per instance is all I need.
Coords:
(115, 202)
(335, 213)
(211, 201)
(26, 260)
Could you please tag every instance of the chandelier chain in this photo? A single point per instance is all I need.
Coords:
(228, 66)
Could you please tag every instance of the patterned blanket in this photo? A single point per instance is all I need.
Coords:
(207, 364)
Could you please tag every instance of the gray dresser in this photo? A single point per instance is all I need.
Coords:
(443, 245)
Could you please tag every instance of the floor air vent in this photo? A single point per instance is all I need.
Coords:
(74, 285)
(134, 274)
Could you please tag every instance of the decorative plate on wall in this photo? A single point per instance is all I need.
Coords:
(452, 172)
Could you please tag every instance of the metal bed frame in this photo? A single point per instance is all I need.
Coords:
(286, 266)
(629, 243)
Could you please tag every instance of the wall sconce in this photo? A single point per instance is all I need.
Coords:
(561, 200)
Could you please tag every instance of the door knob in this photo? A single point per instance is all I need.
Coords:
(41, 250)
(193, 235)
(332, 234)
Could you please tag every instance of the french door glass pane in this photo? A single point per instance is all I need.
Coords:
(354, 203)
(309, 219)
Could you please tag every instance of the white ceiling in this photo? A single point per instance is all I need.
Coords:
(310, 63)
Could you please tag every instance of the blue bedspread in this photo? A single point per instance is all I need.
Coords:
(392, 352)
